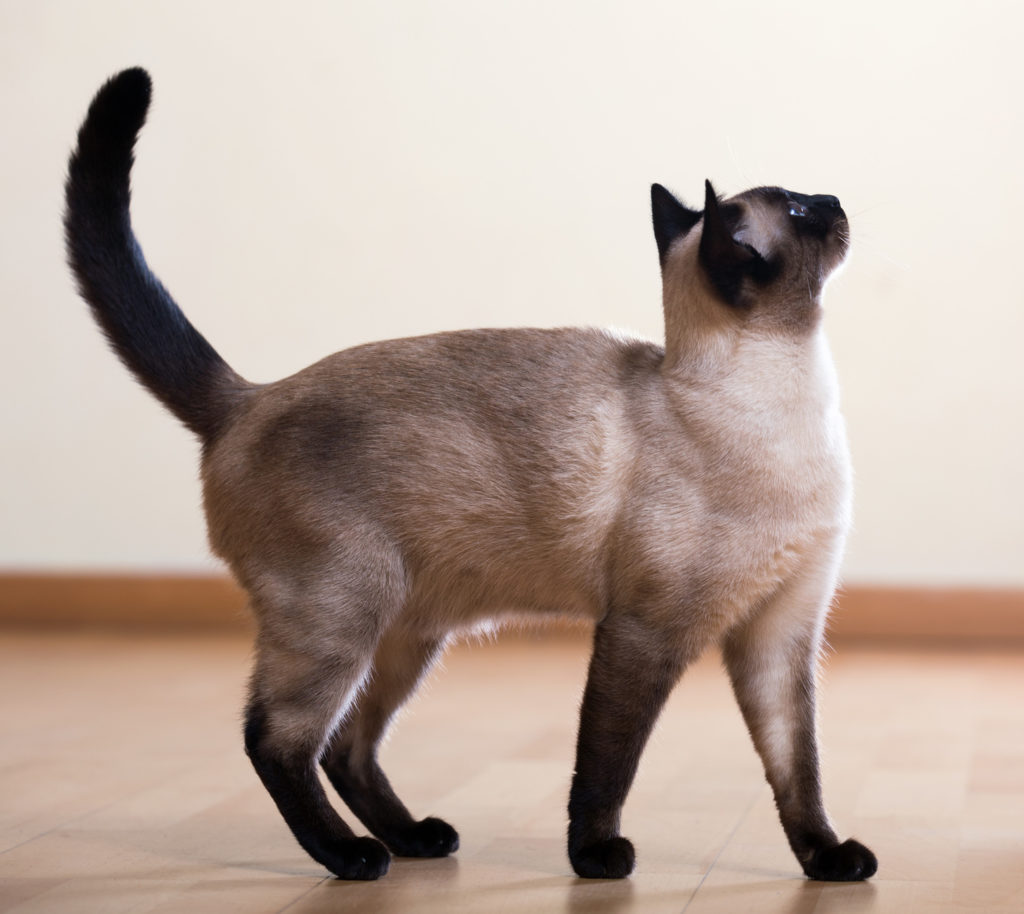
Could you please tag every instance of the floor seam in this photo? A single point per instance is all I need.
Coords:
(739, 822)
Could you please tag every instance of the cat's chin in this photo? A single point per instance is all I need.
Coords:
(830, 274)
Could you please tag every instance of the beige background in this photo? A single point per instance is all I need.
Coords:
(316, 175)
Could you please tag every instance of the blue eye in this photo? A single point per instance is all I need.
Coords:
(795, 209)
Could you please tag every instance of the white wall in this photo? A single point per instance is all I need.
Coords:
(317, 174)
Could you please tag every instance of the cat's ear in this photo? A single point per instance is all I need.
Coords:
(726, 261)
(672, 220)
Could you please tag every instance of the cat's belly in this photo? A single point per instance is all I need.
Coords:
(503, 578)
(697, 575)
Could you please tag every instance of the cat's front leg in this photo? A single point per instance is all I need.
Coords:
(772, 660)
(632, 670)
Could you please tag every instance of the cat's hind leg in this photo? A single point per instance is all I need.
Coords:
(297, 696)
(772, 661)
(401, 660)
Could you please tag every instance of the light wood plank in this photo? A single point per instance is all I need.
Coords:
(124, 786)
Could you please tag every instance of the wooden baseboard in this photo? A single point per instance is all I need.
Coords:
(905, 615)
(930, 615)
(131, 601)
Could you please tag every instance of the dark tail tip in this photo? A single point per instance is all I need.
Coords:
(115, 117)
(120, 106)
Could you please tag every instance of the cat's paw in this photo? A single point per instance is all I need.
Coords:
(358, 858)
(610, 859)
(850, 861)
(428, 838)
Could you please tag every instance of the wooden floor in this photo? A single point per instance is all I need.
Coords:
(123, 787)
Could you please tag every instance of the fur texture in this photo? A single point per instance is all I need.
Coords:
(395, 493)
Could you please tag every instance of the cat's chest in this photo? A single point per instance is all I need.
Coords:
(776, 487)
(772, 442)
(766, 481)
(778, 497)
(787, 461)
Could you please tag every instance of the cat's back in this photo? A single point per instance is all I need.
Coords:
(503, 368)
(500, 379)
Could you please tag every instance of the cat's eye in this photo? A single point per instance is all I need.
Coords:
(796, 209)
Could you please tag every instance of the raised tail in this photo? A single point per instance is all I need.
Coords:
(146, 328)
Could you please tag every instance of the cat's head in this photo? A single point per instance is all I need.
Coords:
(764, 254)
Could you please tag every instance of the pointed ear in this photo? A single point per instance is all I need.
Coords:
(725, 260)
(672, 220)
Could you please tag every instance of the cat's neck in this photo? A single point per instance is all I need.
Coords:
(765, 415)
(770, 382)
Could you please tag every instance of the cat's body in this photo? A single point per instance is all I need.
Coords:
(564, 493)
(395, 493)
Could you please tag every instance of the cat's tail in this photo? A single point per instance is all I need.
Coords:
(145, 327)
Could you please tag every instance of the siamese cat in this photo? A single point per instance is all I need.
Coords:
(399, 492)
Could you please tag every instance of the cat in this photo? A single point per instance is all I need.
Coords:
(396, 493)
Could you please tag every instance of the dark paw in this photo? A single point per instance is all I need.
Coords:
(850, 861)
(428, 838)
(358, 858)
(611, 859)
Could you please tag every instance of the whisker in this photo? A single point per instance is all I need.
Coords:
(868, 209)
(861, 241)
